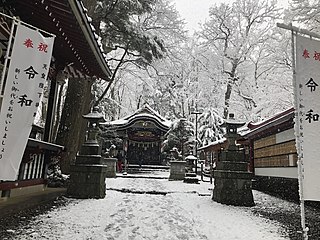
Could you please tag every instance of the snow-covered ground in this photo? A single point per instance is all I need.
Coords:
(146, 208)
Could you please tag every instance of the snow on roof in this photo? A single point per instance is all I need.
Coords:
(148, 110)
(220, 141)
(277, 116)
(145, 112)
(270, 122)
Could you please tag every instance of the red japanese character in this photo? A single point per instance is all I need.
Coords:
(316, 56)
(28, 43)
(42, 47)
(306, 54)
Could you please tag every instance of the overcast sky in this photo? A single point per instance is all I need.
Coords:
(195, 11)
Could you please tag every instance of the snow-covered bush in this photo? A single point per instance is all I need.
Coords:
(55, 177)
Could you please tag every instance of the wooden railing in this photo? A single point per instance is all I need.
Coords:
(33, 168)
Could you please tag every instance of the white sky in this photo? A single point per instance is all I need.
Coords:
(195, 11)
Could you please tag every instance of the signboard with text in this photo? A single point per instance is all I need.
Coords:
(308, 113)
(28, 70)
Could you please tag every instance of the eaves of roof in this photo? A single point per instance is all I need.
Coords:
(215, 146)
(273, 125)
(76, 43)
(145, 113)
(125, 124)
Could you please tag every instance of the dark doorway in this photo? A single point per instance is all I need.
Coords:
(144, 153)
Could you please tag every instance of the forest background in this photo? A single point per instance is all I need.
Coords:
(238, 61)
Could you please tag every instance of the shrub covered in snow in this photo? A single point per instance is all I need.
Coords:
(55, 177)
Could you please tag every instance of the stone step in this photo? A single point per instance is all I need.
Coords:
(191, 180)
(191, 174)
(151, 167)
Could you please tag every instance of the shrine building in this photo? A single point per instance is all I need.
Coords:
(142, 134)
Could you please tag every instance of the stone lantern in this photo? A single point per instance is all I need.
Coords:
(91, 145)
(191, 177)
(87, 177)
(191, 161)
(232, 183)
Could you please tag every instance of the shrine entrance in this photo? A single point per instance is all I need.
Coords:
(142, 135)
(144, 146)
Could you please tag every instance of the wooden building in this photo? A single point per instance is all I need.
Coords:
(77, 54)
(142, 135)
(273, 154)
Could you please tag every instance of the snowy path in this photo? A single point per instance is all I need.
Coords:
(181, 214)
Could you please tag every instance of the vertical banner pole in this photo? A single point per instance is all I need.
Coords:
(2, 85)
(299, 163)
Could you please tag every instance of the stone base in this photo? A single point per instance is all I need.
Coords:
(91, 159)
(232, 166)
(233, 188)
(111, 167)
(191, 178)
(177, 170)
(87, 181)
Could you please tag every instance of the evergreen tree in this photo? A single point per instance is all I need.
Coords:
(181, 136)
(210, 127)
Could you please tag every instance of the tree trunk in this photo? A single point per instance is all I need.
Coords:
(231, 81)
(72, 128)
(227, 97)
(58, 113)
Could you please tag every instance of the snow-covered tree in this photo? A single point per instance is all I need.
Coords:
(147, 31)
(180, 135)
(234, 33)
(210, 127)
(183, 83)
(306, 12)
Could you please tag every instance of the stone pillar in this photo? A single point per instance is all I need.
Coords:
(177, 170)
(232, 181)
(88, 175)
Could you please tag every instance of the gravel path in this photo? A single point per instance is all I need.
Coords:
(287, 213)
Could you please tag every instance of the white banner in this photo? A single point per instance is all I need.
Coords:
(308, 109)
(28, 69)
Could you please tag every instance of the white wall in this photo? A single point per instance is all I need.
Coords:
(286, 172)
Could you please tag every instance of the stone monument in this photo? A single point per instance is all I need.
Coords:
(111, 164)
(88, 175)
(177, 166)
(232, 181)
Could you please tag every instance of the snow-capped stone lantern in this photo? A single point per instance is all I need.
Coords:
(232, 184)
(232, 125)
(190, 159)
(87, 177)
(190, 177)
